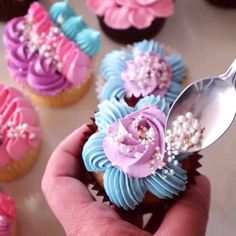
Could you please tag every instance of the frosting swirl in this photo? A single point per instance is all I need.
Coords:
(120, 14)
(135, 144)
(13, 32)
(19, 126)
(44, 78)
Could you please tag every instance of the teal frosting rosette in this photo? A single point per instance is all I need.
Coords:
(129, 148)
(146, 68)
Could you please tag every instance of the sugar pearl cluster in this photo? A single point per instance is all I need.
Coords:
(186, 133)
(156, 161)
(45, 44)
(148, 67)
(18, 131)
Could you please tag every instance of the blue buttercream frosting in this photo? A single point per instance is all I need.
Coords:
(75, 28)
(115, 63)
(61, 11)
(89, 40)
(123, 190)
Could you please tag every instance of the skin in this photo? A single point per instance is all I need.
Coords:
(80, 214)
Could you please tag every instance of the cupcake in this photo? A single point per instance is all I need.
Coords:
(133, 20)
(143, 69)
(13, 8)
(223, 3)
(7, 215)
(20, 134)
(130, 156)
(50, 53)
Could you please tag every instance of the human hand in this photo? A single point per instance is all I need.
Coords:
(80, 214)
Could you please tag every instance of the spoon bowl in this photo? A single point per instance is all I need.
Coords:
(212, 101)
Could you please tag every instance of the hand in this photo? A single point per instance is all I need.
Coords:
(80, 214)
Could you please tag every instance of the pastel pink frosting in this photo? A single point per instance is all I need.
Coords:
(7, 215)
(34, 36)
(123, 14)
(135, 144)
(19, 126)
(147, 73)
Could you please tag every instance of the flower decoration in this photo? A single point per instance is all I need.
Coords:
(123, 14)
(129, 148)
(7, 206)
(143, 70)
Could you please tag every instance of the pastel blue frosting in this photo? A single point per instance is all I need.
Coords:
(61, 11)
(115, 63)
(123, 190)
(75, 28)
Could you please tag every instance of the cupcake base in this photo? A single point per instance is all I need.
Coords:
(223, 3)
(132, 34)
(12, 8)
(65, 98)
(16, 169)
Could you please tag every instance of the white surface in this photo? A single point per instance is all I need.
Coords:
(206, 37)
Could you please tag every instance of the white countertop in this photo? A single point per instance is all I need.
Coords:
(206, 37)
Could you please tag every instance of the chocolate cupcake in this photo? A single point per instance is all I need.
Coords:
(223, 3)
(131, 21)
(13, 8)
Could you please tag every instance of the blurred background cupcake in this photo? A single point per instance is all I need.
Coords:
(13, 8)
(7, 216)
(132, 20)
(51, 53)
(223, 3)
(20, 134)
(145, 68)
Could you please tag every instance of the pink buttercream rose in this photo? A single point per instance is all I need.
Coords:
(135, 144)
(122, 14)
(7, 206)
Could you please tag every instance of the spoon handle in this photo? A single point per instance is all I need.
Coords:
(230, 74)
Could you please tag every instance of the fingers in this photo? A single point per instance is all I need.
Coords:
(189, 215)
(64, 160)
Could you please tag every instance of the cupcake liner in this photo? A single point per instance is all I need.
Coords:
(223, 3)
(13, 8)
(65, 98)
(16, 169)
(191, 165)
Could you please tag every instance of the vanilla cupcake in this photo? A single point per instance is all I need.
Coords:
(51, 53)
(131, 158)
(145, 68)
(20, 134)
(131, 20)
(7, 216)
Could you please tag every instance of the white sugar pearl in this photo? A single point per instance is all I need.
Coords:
(172, 171)
(175, 123)
(169, 159)
(32, 136)
(181, 119)
(169, 132)
(194, 140)
(120, 138)
(186, 125)
(176, 153)
(198, 134)
(189, 115)
(175, 162)
(196, 125)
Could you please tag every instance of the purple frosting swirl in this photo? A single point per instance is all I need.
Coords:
(18, 62)
(44, 78)
(12, 33)
(135, 144)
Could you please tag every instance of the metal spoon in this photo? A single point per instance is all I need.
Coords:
(212, 101)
